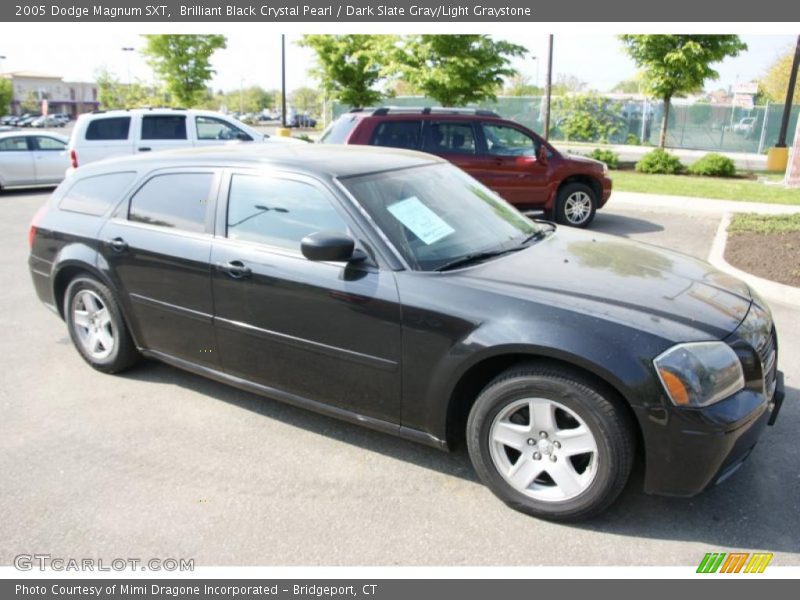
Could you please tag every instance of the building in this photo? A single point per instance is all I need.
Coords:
(70, 97)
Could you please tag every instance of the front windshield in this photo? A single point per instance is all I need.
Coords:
(437, 214)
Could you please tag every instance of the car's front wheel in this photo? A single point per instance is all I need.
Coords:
(548, 443)
(96, 326)
(576, 205)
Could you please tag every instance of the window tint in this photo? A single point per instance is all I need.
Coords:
(338, 131)
(14, 144)
(278, 212)
(94, 195)
(443, 138)
(113, 128)
(397, 134)
(508, 141)
(209, 128)
(164, 127)
(178, 200)
(48, 143)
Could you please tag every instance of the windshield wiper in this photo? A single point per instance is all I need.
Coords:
(474, 258)
(538, 234)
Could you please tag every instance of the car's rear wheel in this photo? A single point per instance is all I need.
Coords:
(576, 205)
(549, 443)
(96, 326)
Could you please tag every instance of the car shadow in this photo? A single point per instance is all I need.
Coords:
(622, 225)
(756, 509)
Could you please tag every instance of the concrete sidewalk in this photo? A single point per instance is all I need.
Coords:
(688, 204)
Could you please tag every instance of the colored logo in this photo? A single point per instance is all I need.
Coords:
(734, 562)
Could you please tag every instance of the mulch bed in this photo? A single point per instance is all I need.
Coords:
(771, 256)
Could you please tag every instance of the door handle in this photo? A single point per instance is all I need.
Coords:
(235, 269)
(145, 149)
(118, 244)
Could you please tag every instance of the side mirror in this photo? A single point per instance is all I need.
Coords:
(331, 246)
(541, 155)
(243, 137)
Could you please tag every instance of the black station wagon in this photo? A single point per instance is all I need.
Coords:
(389, 288)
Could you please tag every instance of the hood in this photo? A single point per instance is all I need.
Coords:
(667, 293)
(585, 160)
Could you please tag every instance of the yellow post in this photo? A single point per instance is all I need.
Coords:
(286, 132)
(777, 159)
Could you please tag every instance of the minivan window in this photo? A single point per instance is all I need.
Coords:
(177, 200)
(112, 128)
(339, 130)
(164, 127)
(94, 195)
(450, 138)
(278, 212)
(397, 134)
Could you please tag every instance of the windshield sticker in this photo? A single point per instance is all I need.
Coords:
(421, 220)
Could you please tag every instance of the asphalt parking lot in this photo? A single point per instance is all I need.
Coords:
(162, 463)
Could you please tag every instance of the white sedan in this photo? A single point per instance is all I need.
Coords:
(28, 159)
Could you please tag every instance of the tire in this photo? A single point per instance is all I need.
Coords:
(516, 462)
(576, 205)
(96, 326)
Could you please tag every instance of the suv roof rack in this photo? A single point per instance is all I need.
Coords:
(101, 111)
(426, 110)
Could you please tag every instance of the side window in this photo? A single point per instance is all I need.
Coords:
(113, 128)
(164, 127)
(397, 134)
(209, 128)
(95, 195)
(178, 200)
(508, 141)
(450, 138)
(278, 212)
(14, 144)
(339, 130)
(50, 144)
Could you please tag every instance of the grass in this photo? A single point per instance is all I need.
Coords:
(765, 224)
(743, 190)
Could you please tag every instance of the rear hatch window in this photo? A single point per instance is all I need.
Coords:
(339, 130)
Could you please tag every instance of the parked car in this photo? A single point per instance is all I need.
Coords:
(103, 134)
(27, 119)
(47, 121)
(745, 126)
(28, 159)
(503, 155)
(391, 289)
(7, 119)
(301, 120)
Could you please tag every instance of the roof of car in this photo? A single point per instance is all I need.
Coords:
(318, 159)
(29, 133)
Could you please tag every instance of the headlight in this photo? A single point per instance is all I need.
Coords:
(699, 374)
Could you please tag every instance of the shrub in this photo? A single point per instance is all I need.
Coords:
(607, 156)
(713, 165)
(632, 140)
(659, 161)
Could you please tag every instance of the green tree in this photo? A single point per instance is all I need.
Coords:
(631, 85)
(306, 100)
(6, 95)
(567, 84)
(350, 67)
(520, 85)
(456, 69)
(111, 93)
(587, 117)
(183, 62)
(678, 64)
(775, 81)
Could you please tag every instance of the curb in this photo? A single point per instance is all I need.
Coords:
(776, 292)
(689, 205)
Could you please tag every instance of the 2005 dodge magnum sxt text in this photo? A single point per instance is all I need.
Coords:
(389, 288)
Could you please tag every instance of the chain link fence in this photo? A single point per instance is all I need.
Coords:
(697, 126)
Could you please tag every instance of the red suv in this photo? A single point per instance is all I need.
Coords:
(505, 156)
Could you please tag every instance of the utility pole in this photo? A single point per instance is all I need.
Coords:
(127, 50)
(787, 107)
(548, 87)
(283, 80)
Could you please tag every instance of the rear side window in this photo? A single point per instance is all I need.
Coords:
(14, 144)
(450, 138)
(339, 130)
(176, 200)
(397, 134)
(112, 128)
(95, 195)
(164, 127)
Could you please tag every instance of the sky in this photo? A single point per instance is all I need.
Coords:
(255, 60)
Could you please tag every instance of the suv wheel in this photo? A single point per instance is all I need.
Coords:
(97, 328)
(549, 444)
(576, 205)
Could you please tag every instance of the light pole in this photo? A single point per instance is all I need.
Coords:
(549, 87)
(536, 59)
(241, 98)
(2, 58)
(127, 50)
(283, 81)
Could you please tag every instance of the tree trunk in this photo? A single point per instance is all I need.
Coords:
(662, 137)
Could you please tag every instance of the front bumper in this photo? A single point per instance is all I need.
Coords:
(698, 448)
(606, 185)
